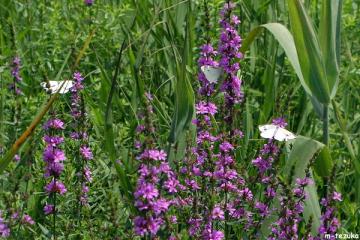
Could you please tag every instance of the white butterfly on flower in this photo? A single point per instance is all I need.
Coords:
(54, 86)
(211, 73)
(274, 131)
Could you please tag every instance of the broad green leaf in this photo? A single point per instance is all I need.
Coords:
(308, 49)
(286, 40)
(329, 37)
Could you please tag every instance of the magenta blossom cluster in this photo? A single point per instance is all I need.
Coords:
(26, 219)
(156, 184)
(329, 222)
(266, 180)
(290, 211)
(229, 50)
(78, 114)
(207, 56)
(54, 158)
(266, 175)
(213, 172)
(88, 2)
(198, 173)
(15, 72)
(4, 228)
(148, 197)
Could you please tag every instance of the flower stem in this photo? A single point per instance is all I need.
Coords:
(54, 214)
(326, 125)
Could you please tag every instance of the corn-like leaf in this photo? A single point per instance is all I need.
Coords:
(308, 49)
(286, 40)
(329, 37)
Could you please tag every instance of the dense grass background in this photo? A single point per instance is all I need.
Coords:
(128, 47)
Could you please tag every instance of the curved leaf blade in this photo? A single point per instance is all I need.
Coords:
(308, 49)
(329, 37)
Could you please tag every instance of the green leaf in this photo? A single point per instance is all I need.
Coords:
(45, 231)
(308, 49)
(286, 40)
(184, 94)
(329, 37)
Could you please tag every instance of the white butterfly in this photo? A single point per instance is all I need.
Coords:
(54, 86)
(212, 74)
(274, 131)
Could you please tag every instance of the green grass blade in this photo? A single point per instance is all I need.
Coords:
(184, 94)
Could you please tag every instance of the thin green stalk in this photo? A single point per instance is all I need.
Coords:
(1, 117)
(325, 119)
(54, 214)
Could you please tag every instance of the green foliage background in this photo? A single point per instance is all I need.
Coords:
(128, 47)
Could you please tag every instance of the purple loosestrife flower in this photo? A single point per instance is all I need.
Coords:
(329, 221)
(88, 2)
(291, 209)
(49, 209)
(15, 216)
(55, 124)
(86, 152)
(53, 140)
(28, 220)
(210, 234)
(55, 186)
(265, 164)
(281, 122)
(53, 155)
(156, 181)
(207, 55)
(54, 159)
(213, 172)
(229, 50)
(15, 72)
(4, 228)
(199, 173)
(206, 108)
(16, 158)
(217, 213)
(80, 135)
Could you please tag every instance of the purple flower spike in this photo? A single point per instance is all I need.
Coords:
(86, 152)
(49, 209)
(55, 187)
(88, 2)
(28, 220)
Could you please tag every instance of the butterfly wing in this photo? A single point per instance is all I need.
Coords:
(50, 86)
(66, 87)
(212, 74)
(272, 131)
(284, 135)
(267, 131)
(54, 86)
